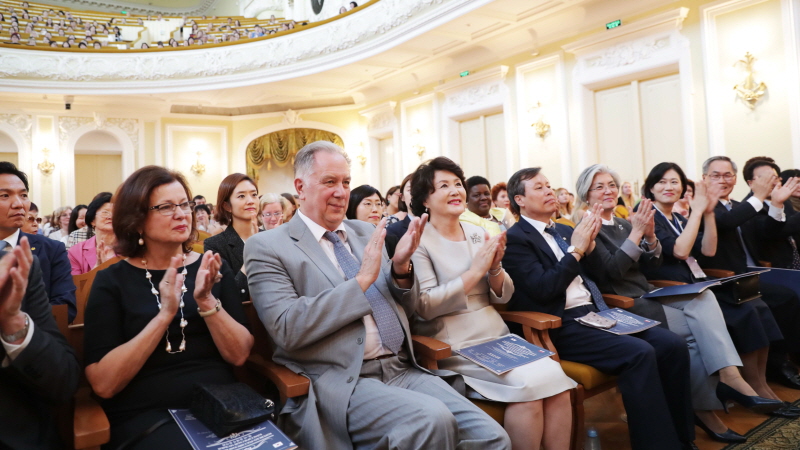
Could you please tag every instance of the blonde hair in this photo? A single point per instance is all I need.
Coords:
(563, 210)
(630, 200)
(55, 222)
(271, 197)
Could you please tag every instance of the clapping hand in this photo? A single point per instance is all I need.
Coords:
(486, 256)
(207, 276)
(104, 252)
(700, 201)
(643, 222)
(14, 269)
(781, 193)
(586, 231)
(372, 257)
(762, 186)
(409, 242)
(170, 287)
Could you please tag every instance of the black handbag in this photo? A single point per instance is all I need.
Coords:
(739, 291)
(225, 408)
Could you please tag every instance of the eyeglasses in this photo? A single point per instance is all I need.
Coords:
(276, 215)
(602, 188)
(35, 219)
(726, 176)
(107, 214)
(168, 209)
(369, 204)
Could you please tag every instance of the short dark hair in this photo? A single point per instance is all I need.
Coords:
(476, 180)
(391, 191)
(9, 168)
(132, 207)
(73, 218)
(290, 198)
(689, 184)
(516, 185)
(422, 181)
(789, 173)
(357, 195)
(401, 204)
(203, 207)
(33, 207)
(224, 193)
(198, 197)
(754, 163)
(497, 188)
(657, 173)
(97, 202)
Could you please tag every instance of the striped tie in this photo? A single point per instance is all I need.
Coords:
(597, 296)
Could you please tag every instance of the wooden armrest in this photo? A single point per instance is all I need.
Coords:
(90, 426)
(535, 320)
(764, 263)
(665, 283)
(430, 348)
(289, 383)
(618, 301)
(718, 273)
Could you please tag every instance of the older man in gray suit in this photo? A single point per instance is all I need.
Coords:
(337, 307)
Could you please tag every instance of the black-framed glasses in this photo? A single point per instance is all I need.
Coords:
(168, 209)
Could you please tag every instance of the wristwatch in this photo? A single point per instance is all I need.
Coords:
(406, 276)
(573, 249)
(11, 338)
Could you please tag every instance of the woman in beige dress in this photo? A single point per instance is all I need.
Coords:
(460, 276)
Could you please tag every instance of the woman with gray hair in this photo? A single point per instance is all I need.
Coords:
(627, 247)
(272, 209)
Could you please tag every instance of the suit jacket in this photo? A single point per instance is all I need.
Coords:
(770, 238)
(83, 256)
(314, 318)
(540, 279)
(56, 271)
(730, 253)
(230, 248)
(45, 373)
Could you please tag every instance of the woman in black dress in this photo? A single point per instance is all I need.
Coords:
(161, 320)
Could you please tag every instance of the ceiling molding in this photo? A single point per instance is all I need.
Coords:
(358, 36)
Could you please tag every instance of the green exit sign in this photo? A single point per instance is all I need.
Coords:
(464, 73)
(613, 24)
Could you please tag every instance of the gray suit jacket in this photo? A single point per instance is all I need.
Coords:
(314, 317)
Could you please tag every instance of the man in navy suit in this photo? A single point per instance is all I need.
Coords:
(56, 270)
(551, 277)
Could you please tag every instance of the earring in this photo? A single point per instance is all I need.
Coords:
(141, 241)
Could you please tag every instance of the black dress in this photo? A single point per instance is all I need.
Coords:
(751, 325)
(121, 305)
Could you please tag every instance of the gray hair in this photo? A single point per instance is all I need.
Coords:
(583, 185)
(707, 163)
(516, 185)
(270, 198)
(304, 160)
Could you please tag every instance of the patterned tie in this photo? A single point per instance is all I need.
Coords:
(795, 264)
(389, 327)
(597, 296)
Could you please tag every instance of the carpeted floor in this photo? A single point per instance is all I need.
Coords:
(774, 434)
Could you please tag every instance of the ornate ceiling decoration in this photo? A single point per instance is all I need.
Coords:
(344, 41)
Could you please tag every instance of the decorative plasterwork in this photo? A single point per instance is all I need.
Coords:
(21, 122)
(628, 52)
(67, 125)
(474, 92)
(357, 36)
(381, 119)
(140, 8)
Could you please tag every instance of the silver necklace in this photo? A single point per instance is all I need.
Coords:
(155, 292)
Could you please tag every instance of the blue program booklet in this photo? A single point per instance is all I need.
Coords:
(503, 354)
(264, 435)
(627, 322)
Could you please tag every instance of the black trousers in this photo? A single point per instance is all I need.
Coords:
(653, 371)
(785, 306)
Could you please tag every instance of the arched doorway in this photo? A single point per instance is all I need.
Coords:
(98, 165)
(270, 157)
(8, 149)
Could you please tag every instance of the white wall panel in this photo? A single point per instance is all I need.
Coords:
(661, 118)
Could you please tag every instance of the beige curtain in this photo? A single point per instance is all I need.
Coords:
(281, 146)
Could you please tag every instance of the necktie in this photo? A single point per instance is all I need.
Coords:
(597, 296)
(748, 257)
(3, 245)
(389, 327)
(795, 265)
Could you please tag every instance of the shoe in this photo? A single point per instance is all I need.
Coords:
(786, 374)
(790, 407)
(689, 446)
(728, 436)
(786, 412)
(754, 403)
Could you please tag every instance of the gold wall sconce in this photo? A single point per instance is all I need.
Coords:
(46, 166)
(419, 149)
(198, 168)
(361, 157)
(540, 127)
(748, 90)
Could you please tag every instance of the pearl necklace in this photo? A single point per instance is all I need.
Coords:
(155, 292)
